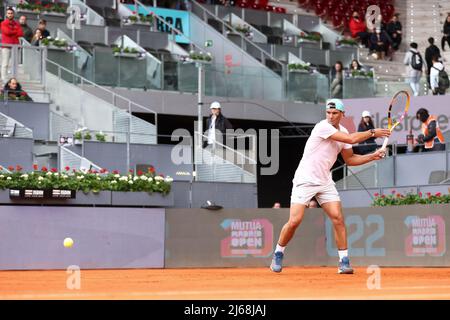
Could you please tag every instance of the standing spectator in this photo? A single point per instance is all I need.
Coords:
(358, 29)
(216, 123)
(27, 31)
(446, 31)
(431, 51)
(43, 27)
(11, 32)
(414, 61)
(337, 83)
(394, 30)
(365, 124)
(436, 80)
(431, 136)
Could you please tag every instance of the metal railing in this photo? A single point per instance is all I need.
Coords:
(10, 127)
(244, 41)
(68, 158)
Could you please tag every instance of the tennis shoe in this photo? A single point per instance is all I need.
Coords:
(344, 266)
(276, 265)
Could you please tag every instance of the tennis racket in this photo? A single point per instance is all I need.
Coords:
(398, 108)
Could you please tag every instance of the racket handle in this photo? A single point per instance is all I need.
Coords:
(385, 142)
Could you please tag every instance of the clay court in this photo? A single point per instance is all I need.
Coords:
(249, 283)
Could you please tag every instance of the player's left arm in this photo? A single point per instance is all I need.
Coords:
(352, 159)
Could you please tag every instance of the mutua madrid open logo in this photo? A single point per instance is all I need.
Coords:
(427, 236)
(254, 238)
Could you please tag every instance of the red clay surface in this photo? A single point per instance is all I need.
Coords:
(235, 283)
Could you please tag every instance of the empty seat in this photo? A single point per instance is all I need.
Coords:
(275, 40)
(274, 66)
(215, 24)
(268, 31)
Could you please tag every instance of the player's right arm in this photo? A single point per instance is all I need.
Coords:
(357, 137)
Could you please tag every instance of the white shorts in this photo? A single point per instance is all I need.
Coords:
(304, 192)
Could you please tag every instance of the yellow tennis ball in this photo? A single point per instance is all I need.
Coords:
(68, 242)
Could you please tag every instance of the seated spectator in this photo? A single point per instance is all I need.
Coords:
(355, 65)
(394, 30)
(14, 91)
(366, 123)
(379, 44)
(43, 27)
(337, 83)
(37, 37)
(358, 29)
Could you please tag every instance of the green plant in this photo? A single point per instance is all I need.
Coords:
(78, 135)
(362, 73)
(397, 199)
(242, 29)
(347, 41)
(46, 41)
(100, 136)
(87, 135)
(133, 18)
(200, 56)
(89, 181)
(116, 50)
(313, 36)
(60, 43)
(298, 66)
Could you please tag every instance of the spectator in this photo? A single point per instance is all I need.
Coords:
(414, 61)
(36, 40)
(358, 29)
(27, 31)
(437, 67)
(446, 31)
(355, 65)
(43, 27)
(337, 83)
(365, 124)
(431, 51)
(431, 136)
(379, 44)
(276, 205)
(216, 123)
(394, 30)
(11, 32)
(14, 90)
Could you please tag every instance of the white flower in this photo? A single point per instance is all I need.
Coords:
(144, 178)
(124, 178)
(80, 177)
(2, 176)
(56, 174)
(117, 176)
(24, 176)
(130, 182)
(9, 178)
(136, 178)
(98, 178)
(159, 178)
(64, 176)
(157, 182)
(40, 178)
(169, 179)
(114, 182)
(150, 179)
(49, 173)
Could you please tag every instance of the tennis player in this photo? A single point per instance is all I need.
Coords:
(313, 179)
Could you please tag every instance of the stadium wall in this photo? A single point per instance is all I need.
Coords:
(105, 238)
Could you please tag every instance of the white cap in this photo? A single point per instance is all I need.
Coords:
(215, 105)
(366, 114)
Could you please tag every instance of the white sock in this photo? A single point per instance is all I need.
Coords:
(342, 254)
(279, 248)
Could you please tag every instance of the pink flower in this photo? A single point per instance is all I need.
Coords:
(67, 168)
(376, 194)
(54, 170)
(438, 194)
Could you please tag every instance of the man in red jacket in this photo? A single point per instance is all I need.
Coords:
(11, 32)
(358, 28)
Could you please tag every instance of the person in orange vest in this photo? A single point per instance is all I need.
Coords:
(431, 136)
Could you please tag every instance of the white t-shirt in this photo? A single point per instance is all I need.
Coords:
(212, 130)
(319, 155)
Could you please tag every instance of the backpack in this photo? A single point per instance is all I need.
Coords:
(416, 61)
(443, 80)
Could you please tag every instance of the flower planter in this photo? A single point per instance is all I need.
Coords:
(54, 14)
(27, 11)
(101, 198)
(302, 40)
(127, 55)
(52, 47)
(299, 71)
(141, 199)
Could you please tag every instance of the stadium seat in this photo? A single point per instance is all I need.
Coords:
(215, 24)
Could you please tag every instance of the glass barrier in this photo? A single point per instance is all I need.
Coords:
(308, 87)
